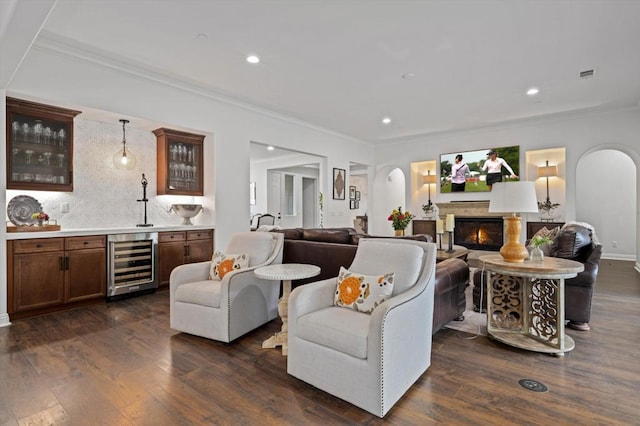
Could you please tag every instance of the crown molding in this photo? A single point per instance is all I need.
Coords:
(69, 48)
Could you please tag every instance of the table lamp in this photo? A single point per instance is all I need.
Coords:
(513, 197)
(547, 172)
(428, 179)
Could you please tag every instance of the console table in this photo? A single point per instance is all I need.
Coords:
(525, 302)
(285, 272)
(424, 226)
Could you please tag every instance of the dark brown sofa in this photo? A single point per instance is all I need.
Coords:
(331, 248)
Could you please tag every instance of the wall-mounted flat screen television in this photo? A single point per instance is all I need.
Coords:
(477, 176)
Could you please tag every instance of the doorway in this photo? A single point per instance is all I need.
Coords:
(612, 175)
(309, 205)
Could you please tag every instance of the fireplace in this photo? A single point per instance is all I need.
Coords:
(479, 233)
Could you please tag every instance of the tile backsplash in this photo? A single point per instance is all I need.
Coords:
(103, 196)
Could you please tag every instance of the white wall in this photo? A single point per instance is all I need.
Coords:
(578, 133)
(606, 198)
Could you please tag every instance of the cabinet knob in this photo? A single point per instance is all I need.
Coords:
(38, 245)
(85, 242)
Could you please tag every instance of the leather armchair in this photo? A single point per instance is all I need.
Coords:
(575, 242)
(226, 309)
(367, 360)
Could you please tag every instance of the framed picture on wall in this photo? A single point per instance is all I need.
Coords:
(357, 205)
(352, 204)
(352, 192)
(357, 196)
(339, 183)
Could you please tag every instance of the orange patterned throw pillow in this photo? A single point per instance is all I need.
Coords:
(362, 293)
(222, 264)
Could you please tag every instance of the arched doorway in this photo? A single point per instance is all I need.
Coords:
(606, 197)
(390, 190)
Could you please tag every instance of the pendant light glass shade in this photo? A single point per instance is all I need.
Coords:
(124, 159)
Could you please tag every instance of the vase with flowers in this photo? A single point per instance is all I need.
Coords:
(400, 220)
(41, 217)
(537, 255)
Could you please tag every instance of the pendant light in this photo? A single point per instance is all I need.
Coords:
(124, 159)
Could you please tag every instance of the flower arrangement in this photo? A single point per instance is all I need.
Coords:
(40, 217)
(400, 220)
(538, 241)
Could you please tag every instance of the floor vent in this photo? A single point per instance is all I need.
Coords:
(533, 385)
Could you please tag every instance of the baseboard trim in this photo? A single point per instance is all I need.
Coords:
(611, 256)
(4, 320)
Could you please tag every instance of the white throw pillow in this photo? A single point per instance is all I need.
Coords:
(222, 264)
(362, 293)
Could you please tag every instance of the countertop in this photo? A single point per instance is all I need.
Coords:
(103, 231)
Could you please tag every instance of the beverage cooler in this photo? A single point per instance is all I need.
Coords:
(132, 263)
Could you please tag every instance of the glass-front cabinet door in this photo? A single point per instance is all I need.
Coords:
(39, 146)
(179, 162)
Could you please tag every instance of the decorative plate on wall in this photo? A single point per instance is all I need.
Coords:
(21, 208)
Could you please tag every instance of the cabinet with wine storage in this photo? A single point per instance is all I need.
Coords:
(180, 162)
(51, 274)
(39, 146)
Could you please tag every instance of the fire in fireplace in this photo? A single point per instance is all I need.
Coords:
(479, 233)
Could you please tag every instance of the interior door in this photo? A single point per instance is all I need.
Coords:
(309, 202)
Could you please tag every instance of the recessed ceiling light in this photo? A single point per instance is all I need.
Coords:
(533, 91)
(386, 120)
(270, 148)
(408, 75)
(202, 36)
(253, 59)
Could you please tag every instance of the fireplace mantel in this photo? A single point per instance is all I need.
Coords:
(467, 209)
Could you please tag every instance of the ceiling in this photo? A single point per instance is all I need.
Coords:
(339, 65)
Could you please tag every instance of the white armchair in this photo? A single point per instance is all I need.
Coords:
(225, 310)
(367, 360)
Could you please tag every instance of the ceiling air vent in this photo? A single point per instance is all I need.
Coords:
(586, 74)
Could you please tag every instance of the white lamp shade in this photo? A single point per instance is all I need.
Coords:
(426, 179)
(547, 171)
(513, 197)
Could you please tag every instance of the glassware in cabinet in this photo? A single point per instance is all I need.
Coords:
(180, 164)
(39, 146)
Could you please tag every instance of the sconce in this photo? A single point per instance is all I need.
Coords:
(547, 171)
(124, 159)
(428, 179)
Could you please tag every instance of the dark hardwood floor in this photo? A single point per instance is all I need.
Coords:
(119, 363)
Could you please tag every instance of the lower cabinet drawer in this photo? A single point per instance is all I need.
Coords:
(79, 243)
(38, 245)
(166, 237)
